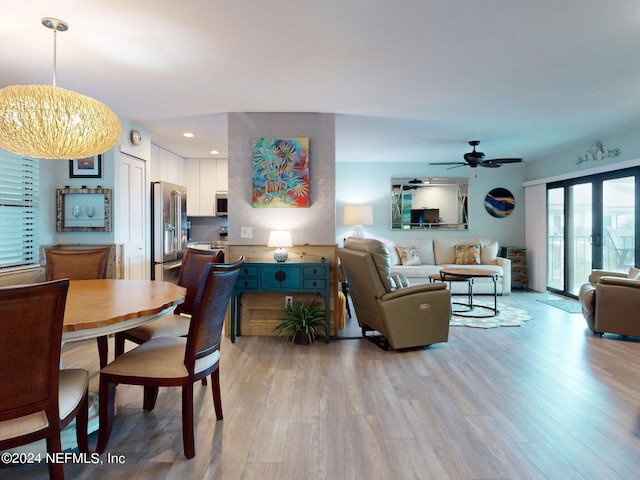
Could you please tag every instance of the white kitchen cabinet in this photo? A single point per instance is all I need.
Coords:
(166, 166)
(204, 178)
(191, 181)
(222, 175)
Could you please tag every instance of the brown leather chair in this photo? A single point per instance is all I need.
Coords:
(38, 399)
(404, 317)
(176, 361)
(194, 262)
(611, 303)
(80, 264)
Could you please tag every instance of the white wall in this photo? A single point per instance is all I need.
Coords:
(313, 225)
(360, 183)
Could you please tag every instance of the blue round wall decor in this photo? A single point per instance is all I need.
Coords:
(499, 202)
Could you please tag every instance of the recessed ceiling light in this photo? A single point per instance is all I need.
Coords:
(214, 152)
(188, 135)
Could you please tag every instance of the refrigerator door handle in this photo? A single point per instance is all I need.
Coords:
(175, 213)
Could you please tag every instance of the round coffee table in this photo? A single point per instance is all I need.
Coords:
(449, 274)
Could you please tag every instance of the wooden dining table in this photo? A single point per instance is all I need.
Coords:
(97, 308)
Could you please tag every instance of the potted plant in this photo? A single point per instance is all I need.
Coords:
(301, 322)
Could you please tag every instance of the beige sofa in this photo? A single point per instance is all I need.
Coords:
(436, 253)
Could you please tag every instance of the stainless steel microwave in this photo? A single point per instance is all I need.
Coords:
(222, 203)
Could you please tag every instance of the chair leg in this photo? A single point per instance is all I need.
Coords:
(188, 440)
(56, 469)
(150, 397)
(103, 350)
(215, 388)
(119, 340)
(107, 412)
(204, 381)
(82, 421)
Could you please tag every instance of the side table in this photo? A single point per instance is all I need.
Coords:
(285, 277)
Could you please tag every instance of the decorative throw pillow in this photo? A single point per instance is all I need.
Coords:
(634, 273)
(408, 255)
(467, 254)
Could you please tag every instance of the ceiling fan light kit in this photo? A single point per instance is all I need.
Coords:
(475, 159)
(50, 122)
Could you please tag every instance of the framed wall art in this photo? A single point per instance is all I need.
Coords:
(89, 167)
(499, 202)
(83, 210)
(280, 172)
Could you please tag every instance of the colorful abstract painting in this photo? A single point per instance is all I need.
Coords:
(280, 173)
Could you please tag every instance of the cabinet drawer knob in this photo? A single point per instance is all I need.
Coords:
(280, 276)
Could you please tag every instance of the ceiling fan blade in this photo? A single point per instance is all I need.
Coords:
(505, 160)
(448, 163)
(489, 164)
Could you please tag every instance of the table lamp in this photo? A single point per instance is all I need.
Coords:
(280, 239)
(358, 215)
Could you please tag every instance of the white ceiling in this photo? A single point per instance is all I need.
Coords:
(410, 80)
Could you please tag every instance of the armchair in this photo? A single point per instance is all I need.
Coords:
(404, 316)
(611, 302)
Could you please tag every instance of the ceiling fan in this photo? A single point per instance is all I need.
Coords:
(476, 159)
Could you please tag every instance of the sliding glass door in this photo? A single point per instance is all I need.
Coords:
(591, 223)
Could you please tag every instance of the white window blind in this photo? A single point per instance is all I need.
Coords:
(19, 210)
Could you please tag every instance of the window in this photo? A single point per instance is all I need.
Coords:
(19, 211)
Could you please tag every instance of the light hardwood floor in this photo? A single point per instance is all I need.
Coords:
(545, 400)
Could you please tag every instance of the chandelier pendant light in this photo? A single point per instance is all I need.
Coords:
(42, 121)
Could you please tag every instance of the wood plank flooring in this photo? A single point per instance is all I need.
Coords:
(547, 400)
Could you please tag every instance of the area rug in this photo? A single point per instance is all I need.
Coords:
(507, 317)
(571, 306)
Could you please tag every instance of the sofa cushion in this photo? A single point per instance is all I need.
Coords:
(408, 255)
(489, 253)
(467, 254)
(394, 259)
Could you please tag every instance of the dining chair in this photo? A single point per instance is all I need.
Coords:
(176, 361)
(80, 264)
(194, 262)
(76, 263)
(38, 399)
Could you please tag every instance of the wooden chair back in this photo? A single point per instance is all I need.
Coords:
(210, 308)
(194, 262)
(30, 343)
(77, 264)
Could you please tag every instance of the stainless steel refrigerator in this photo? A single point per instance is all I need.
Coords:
(169, 230)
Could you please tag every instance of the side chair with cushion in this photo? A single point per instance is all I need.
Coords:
(404, 315)
(611, 302)
(193, 265)
(176, 361)
(80, 264)
(38, 399)
(76, 264)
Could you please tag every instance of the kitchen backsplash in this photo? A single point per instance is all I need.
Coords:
(207, 229)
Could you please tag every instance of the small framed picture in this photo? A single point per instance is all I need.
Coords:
(89, 167)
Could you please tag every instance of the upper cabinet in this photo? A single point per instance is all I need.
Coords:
(166, 166)
(204, 178)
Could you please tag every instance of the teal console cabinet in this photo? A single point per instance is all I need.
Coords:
(294, 277)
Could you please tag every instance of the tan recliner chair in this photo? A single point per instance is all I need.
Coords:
(611, 303)
(405, 317)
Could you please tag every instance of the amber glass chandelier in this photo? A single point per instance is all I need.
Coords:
(44, 121)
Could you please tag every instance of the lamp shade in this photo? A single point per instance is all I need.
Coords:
(43, 121)
(358, 215)
(279, 238)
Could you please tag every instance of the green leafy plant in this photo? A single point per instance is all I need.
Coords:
(309, 319)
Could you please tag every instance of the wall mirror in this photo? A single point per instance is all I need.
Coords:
(83, 210)
(429, 203)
